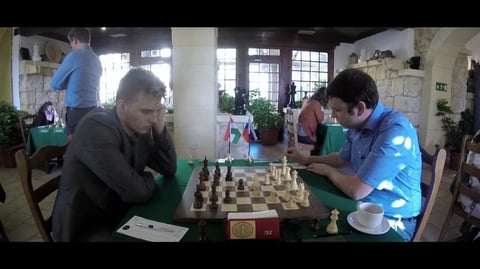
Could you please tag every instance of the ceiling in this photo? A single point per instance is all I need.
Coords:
(113, 36)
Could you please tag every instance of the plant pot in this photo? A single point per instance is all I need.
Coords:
(268, 136)
(7, 156)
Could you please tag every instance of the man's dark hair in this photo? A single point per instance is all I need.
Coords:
(320, 96)
(81, 34)
(140, 80)
(353, 86)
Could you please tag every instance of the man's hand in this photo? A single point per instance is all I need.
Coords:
(160, 124)
(320, 168)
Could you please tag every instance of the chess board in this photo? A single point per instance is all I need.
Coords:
(245, 200)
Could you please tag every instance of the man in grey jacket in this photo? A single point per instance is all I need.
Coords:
(104, 173)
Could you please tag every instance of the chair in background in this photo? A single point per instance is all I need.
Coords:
(25, 167)
(26, 122)
(430, 188)
(465, 169)
(292, 130)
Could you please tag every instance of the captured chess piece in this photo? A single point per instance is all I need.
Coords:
(316, 224)
(332, 226)
(202, 228)
(190, 159)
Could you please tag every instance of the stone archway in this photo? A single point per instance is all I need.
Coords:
(439, 60)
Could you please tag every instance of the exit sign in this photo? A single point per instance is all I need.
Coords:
(442, 87)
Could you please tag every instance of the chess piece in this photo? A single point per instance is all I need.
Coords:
(202, 228)
(305, 202)
(227, 198)
(240, 187)
(190, 159)
(229, 177)
(316, 224)
(198, 202)
(205, 162)
(332, 226)
(272, 197)
(229, 158)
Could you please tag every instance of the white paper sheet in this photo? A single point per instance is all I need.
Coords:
(152, 231)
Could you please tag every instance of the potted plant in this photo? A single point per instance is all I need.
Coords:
(265, 117)
(454, 131)
(10, 133)
(226, 102)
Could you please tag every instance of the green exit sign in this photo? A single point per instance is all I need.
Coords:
(442, 87)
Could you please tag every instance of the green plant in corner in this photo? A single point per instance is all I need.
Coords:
(10, 134)
(454, 131)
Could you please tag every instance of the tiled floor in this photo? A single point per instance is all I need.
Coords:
(20, 227)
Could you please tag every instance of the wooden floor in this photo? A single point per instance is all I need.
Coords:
(19, 225)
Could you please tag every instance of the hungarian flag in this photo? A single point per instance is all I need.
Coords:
(248, 132)
(232, 133)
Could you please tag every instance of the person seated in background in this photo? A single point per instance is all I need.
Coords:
(380, 160)
(310, 116)
(46, 115)
(103, 173)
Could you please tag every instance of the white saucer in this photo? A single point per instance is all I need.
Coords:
(381, 229)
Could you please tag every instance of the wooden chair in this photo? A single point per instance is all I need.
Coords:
(464, 170)
(26, 122)
(25, 165)
(429, 189)
(292, 130)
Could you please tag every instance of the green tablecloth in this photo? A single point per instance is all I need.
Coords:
(334, 135)
(45, 135)
(168, 195)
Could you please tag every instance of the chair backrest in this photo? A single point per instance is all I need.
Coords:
(26, 122)
(429, 188)
(50, 182)
(466, 169)
(292, 130)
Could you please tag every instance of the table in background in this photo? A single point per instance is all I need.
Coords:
(168, 194)
(45, 135)
(334, 135)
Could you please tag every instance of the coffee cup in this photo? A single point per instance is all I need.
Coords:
(369, 214)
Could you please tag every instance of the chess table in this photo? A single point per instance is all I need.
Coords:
(169, 192)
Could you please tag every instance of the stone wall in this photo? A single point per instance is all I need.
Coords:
(35, 90)
(398, 88)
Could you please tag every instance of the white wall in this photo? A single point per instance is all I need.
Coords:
(474, 46)
(399, 42)
(341, 54)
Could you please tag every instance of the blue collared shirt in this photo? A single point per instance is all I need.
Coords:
(79, 74)
(385, 155)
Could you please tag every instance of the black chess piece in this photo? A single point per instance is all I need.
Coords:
(240, 187)
(227, 198)
(315, 225)
(202, 230)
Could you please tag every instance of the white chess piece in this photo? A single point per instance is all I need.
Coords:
(305, 202)
(294, 184)
(288, 176)
(294, 175)
(272, 197)
(267, 179)
(332, 226)
(291, 203)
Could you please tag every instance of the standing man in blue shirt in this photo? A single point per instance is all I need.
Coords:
(79, 74)
(380, 161)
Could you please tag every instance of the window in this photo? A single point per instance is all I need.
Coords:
(309, 71)
(264, 73)
(226, 75)
(115, 66)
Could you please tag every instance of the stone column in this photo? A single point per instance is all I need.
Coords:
(195, 96)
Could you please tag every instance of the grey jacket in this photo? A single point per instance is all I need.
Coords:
(103, 175)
